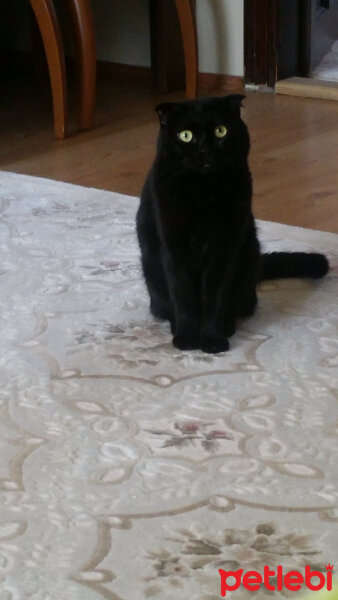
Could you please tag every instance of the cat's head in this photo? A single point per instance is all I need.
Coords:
(204, 135)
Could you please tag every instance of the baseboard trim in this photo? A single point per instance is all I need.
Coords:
(124, 71)
(232, 84)
(25, 59)
(308, 88)
(206, 82)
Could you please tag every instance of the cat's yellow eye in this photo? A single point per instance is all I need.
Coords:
(220, 131)
(185, 136)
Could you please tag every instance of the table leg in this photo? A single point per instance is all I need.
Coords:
(50, 32)
(186, 17)
(84, 34)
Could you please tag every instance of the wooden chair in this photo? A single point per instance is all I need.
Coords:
(83, 28)
(84, 34)
(186, 15)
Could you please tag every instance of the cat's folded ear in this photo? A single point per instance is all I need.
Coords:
(234, 101)
(162, 111)
(166, 109)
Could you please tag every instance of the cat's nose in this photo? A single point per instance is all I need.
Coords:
(204, 159)
(204, 156)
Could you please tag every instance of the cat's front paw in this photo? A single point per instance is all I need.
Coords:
(185, 341)
(229, 328)
(214, 345)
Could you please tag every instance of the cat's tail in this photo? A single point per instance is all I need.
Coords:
(279, 265)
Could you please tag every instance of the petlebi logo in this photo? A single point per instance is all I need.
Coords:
(291, 580)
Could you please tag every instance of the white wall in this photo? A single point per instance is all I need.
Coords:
(123, 32)
(220, 26)
(123, 27)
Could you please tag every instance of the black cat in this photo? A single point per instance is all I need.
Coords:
(200, 253)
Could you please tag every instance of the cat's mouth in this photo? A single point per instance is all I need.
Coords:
(199, 166)
(204, 167)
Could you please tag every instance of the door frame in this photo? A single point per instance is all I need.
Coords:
(262, 41)
(167, 56)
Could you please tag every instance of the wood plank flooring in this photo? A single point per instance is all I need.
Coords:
(293, 158)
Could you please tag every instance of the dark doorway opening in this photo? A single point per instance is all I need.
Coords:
(286, 38)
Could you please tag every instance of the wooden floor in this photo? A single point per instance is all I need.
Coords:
(293, 157)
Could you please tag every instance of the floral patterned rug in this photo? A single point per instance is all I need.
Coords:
(130, 470)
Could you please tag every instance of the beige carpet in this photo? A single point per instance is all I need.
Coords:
(327, 69)
(130, 470)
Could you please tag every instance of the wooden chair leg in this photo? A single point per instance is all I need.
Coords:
(185, 10)
(52, 41)
(38, 51)
(83, 26)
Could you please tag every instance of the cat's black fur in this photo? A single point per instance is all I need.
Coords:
(200, 253)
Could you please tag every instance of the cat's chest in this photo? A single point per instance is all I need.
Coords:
(204, 220)
(199, 213)
(205, 233)
(197, 205)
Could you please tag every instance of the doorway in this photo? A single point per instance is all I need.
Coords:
(288, 38)
(324, 44)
